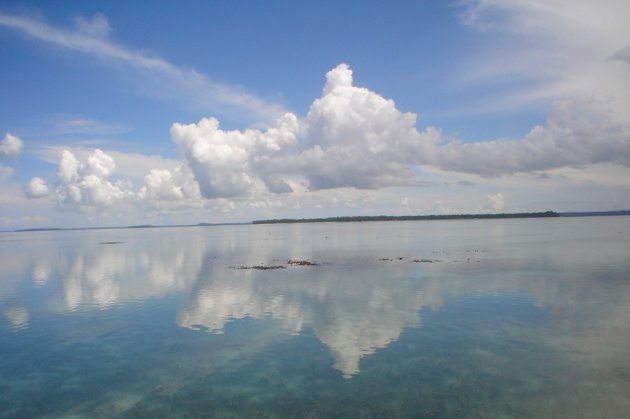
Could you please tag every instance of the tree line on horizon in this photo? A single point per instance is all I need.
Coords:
(408, 217)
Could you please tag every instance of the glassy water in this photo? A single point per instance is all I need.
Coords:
(475, 318)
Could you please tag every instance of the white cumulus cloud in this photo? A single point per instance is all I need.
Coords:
(355, 137)
(37, 188)
(228, 163)
(165, 188)
(10, 146)
(84, 186)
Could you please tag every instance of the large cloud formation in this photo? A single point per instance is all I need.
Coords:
(350, 137)
(353, 137)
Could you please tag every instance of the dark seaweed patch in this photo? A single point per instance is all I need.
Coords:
(301, 263)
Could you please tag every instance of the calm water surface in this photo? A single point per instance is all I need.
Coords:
(475, 318)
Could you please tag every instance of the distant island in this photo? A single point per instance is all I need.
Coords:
(408, 218)
(140, 226)
(594, 213)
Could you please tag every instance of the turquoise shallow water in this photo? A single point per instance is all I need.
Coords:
(468, 318)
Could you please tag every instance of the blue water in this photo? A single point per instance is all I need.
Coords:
(466, 318)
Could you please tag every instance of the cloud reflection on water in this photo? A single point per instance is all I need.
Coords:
(354, 302)
(17, 316)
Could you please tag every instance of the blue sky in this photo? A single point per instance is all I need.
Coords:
(120, 113)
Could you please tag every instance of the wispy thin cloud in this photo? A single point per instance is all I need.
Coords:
(180, 83)
(538, 51)
(69, 124)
